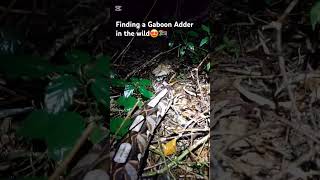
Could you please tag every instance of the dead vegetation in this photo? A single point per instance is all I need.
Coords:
(264, 105)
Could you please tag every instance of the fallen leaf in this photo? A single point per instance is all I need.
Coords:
(170, 147)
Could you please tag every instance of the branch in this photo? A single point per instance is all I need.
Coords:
(278, 26)
(74, 150)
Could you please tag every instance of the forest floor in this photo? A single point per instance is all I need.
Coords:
(265, 104)
(246, 109)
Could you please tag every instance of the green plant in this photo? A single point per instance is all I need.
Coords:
(192, 42)
(55, 124)
(119, 126)
(81, 75)
(315, 14)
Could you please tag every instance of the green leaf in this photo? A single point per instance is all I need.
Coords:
(204, 41)
(141, 82)
(170, 44)
(25, 66)
(190, 46)
(97, 135)
(115, 126)
(78, 57)
(127, 103)
(193, 33)
(100, 67)
(182, 51)
(65, 129)
(100, 90)
(60, 131)
(35, 126)
(205, 28)
(118, 83)
(208, 66)
(146, 93)
(145, 82)
(59, 94)
(315, 15)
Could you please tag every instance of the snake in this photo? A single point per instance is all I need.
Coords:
(131, 153)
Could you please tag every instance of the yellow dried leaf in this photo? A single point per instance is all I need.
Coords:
(170, 147)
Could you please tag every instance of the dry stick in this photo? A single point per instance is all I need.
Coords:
(278, 26)
(6, 12)
(294, 164)
(250, 133)
(74, 150)
(183, 154)
(263, 43)
(288, 10)
(306, 132)
(21, 11)
(14, 111)
(208, 57)
(229, 160)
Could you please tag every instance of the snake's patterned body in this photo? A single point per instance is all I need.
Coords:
(129, 158)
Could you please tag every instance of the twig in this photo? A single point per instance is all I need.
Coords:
(241, 12)
(288, 10)
(263, 43)
(256, 47)
(257, 98)
(205, 59)
(294, 164)
(164, 139)
(308, 132)
(278, 26)
(9, 112)
(20, 11)
(243, 72)
(250, 133)
(183, 155)
(6, 12)
(74, 150)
